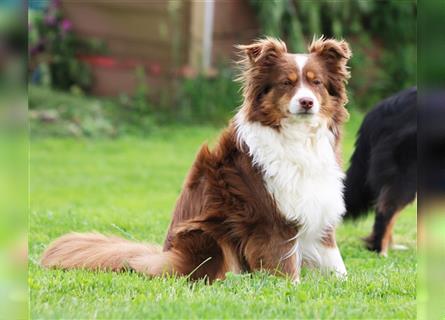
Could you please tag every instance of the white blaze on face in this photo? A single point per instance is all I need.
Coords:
(303, 90)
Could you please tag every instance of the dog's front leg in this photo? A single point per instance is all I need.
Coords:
(330, 256)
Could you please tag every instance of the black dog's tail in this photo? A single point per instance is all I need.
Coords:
(358, 195)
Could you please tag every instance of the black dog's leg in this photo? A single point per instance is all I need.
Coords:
(390, 203)
(381, 237)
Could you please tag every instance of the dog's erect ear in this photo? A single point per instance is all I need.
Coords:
(332, 50)
(263, 50)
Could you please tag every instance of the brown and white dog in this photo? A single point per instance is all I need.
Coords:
(268, 196)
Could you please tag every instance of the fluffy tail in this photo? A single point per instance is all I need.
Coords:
(358, 195)
(95, 251)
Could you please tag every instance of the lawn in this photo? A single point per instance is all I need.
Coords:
(128, 187)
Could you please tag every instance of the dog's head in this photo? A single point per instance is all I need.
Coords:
(279, 85)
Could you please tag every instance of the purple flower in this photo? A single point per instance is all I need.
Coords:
(66, 25)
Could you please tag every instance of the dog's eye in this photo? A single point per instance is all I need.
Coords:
(288, 83)
(266, 89)
(316, 82)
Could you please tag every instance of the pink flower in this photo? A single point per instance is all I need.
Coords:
(66, 25)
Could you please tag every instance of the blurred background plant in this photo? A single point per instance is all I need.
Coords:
(123, 80)
(54, 50)
(207, 98)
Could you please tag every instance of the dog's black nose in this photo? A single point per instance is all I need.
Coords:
(306, 103)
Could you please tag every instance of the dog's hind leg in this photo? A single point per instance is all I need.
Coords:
(387, 238)
(389, 206)
(381, 238)
(381, 234)
(386, 215)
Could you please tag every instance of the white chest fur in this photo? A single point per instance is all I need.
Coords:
(299, 169)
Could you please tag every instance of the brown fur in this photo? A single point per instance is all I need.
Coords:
(265, 66)
(235, 212)
(328, 239)
(96, 251)
(225, 219)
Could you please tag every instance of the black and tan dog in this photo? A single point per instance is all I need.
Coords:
(383, 170)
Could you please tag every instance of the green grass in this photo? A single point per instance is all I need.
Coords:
(128, 186)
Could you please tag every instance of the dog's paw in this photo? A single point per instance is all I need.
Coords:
(384, 253)
(396, 246)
